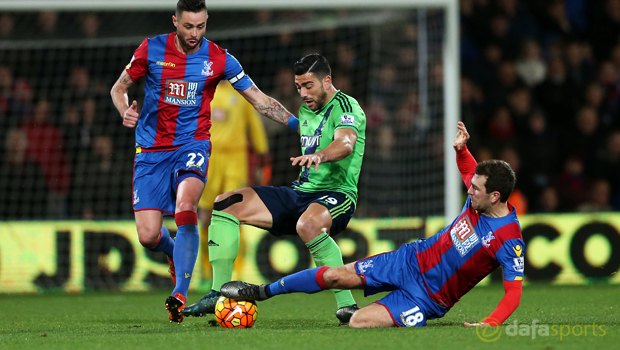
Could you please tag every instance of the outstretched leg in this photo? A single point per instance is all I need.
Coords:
(308, 281)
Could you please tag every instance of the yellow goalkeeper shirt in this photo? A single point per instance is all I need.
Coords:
(233, 120)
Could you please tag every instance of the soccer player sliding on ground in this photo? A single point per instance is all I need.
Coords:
(426, 278)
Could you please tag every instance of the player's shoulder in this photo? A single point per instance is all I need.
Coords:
(509, 231)
(213, 46)
(345, 101)
(160, 39)
(345, 104)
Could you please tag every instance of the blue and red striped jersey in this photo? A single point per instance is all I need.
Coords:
(454, 260)
(179, 89)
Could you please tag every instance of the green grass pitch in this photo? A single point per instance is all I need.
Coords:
(108, 320)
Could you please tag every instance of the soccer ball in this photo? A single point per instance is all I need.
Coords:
(231, 313)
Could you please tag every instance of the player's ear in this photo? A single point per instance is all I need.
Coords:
(495, 196)
(327, 82)
(174, 21)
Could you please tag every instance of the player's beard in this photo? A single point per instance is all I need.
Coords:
(186, 44)
(481, 207)
(321, 100)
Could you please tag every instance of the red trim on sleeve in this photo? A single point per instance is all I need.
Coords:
(466, 164)
(137, 67)
(186, 218)
(508, 304)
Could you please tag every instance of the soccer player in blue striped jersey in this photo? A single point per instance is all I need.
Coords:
(181, 72)
(426, 278)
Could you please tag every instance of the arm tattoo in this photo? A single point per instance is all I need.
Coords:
(274, 111)
(125, 79)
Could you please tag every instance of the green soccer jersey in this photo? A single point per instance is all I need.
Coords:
(317, 130)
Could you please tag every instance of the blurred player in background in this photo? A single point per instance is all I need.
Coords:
(426, 278)
(182, 70)
(319, 205)
(234, 122)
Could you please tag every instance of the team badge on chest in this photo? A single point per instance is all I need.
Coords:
(206, 70)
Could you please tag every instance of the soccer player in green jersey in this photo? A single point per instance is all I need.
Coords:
(320, 203)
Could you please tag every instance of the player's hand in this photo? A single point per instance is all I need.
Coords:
(130, 118)
(308, 160)
(481, 324)
(462, 136)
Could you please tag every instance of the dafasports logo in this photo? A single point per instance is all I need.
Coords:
(535, 329)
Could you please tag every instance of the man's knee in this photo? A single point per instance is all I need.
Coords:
(186, 205)
(309, 229)
(371, 316)
(332, 277)
(304, 228)
(148, 237)
(148, 226)
(341, 277)
(362, 320)
(356, 321)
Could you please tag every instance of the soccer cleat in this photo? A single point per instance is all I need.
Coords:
(242, 290)
(173, 274)
(175, 304)
(206, 305)
(345, 313)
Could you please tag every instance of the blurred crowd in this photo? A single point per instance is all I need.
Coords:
(540, 88)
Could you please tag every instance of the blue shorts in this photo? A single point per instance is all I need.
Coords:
(156, 175)
(286, 206)
(398, 272)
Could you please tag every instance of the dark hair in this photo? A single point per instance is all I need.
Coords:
(190, 6)
(313, 63)
(500, 177)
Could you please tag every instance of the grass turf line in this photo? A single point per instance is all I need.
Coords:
(108, 320)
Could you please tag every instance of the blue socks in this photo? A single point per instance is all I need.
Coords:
(185, 250)
(304, 281)
(165, 244)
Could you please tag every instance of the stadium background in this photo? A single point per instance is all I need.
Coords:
(539, 88)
